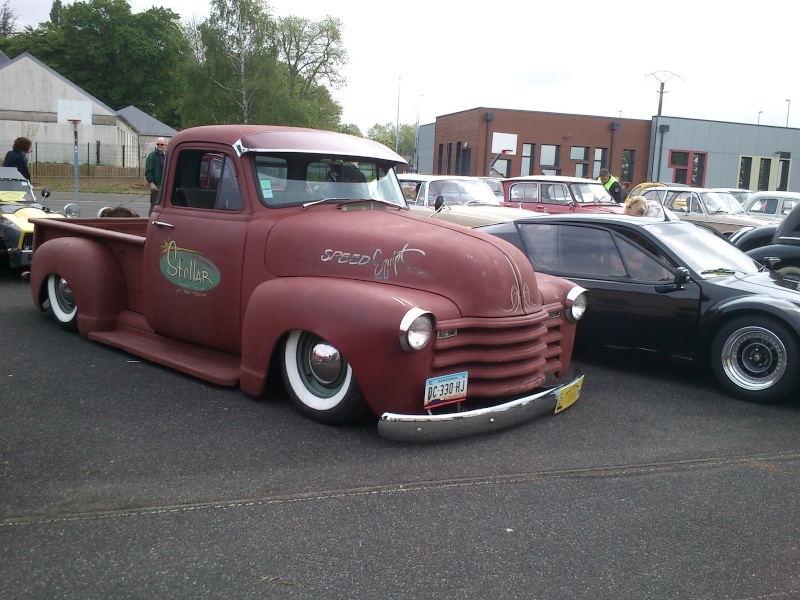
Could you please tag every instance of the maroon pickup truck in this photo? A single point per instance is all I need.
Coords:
(300, 256)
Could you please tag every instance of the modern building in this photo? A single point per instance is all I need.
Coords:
(511, 143)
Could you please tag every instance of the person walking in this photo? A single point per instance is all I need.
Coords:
(18, 156)
(154, 170)
(611, 184)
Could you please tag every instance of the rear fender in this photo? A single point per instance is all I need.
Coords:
(361, 319)
(94, 276)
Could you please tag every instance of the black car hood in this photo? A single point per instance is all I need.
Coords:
(768, 283)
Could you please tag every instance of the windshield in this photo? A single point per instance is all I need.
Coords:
(463, 191)
(701, 250)
(15, 190)
(590, 192)
(722, 202)
(288, 179)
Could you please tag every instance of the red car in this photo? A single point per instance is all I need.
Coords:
(558, 194)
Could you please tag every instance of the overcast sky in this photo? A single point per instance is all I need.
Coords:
(724, 61)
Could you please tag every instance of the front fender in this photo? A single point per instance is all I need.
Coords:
(94, 276)
(711, 321)
(361, 319)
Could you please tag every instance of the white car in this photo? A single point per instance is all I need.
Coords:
(772, 204)
(465, 200)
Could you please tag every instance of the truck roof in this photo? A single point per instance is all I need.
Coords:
(276, 138)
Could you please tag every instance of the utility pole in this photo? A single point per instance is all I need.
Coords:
(662, 77)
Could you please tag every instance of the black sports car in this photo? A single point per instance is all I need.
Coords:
(673, 288)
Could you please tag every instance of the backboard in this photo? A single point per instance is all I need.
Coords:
(504, 143)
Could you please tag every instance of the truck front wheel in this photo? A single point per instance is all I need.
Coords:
(62, 303)
(320, 381)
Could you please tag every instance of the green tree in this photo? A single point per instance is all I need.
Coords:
(8, 21)
(385, 134)
(55, 13)
(233, 76)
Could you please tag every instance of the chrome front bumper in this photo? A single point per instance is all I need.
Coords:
(434, 428)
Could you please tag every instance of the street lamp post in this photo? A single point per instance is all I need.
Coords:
(788, 105)
(759, 116)
(397, 125)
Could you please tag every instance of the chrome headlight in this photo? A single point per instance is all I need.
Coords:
(576, 303)
(416, 329)
(72, 210)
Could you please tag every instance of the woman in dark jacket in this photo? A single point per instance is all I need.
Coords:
(18, 156)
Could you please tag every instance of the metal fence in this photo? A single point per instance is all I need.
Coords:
(48, 159)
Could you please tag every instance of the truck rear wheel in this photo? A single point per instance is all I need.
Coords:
(320, 381)
(62, 303)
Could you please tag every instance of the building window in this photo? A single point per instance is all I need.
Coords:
(783, 175)
(600, 155)
(549, 159)
(745, 166)
(449, 158)
(439, 159)
(763, 174)
(580, 154)
(465, 156)
(626, 170)
(502, 167)
(688, 167)
(527, 159)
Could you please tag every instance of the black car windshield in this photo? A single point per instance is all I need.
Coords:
(288, 179)
(587, 193)
(701, 250)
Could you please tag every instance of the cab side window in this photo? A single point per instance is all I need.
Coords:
(206, 180)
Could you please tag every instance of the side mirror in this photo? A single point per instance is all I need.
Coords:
(680, 279)
(438, 204)
(45, 193)
(681, 276)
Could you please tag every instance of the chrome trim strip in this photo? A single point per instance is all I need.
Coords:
(435, 428)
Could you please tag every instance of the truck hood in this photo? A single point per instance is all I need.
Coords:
(483, 275)
(19, 218)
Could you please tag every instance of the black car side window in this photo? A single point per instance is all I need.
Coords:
(640, 265)
(572, 250)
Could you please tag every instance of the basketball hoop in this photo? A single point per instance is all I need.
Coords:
(75, 122)
(507, 151)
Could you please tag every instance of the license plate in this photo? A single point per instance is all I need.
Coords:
(567, 396)
(445, 389)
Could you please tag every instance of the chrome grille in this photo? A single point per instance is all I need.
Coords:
(27, 242)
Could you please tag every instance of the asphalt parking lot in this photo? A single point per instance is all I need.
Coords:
(123, 479)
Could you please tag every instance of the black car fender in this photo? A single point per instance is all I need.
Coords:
(788, 255)
(712, 319)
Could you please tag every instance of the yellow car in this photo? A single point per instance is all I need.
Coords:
(18, 203)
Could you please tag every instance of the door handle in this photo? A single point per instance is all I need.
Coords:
(162, 224)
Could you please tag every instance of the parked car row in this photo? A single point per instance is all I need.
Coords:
(678, 287)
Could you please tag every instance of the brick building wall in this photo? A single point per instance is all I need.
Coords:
(462, 142)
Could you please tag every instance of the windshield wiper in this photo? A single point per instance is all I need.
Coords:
(718, 271)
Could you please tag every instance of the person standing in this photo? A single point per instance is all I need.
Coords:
(18, 156)
(611, 184)
(154, 170)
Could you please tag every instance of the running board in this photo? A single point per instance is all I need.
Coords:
(133, 335)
